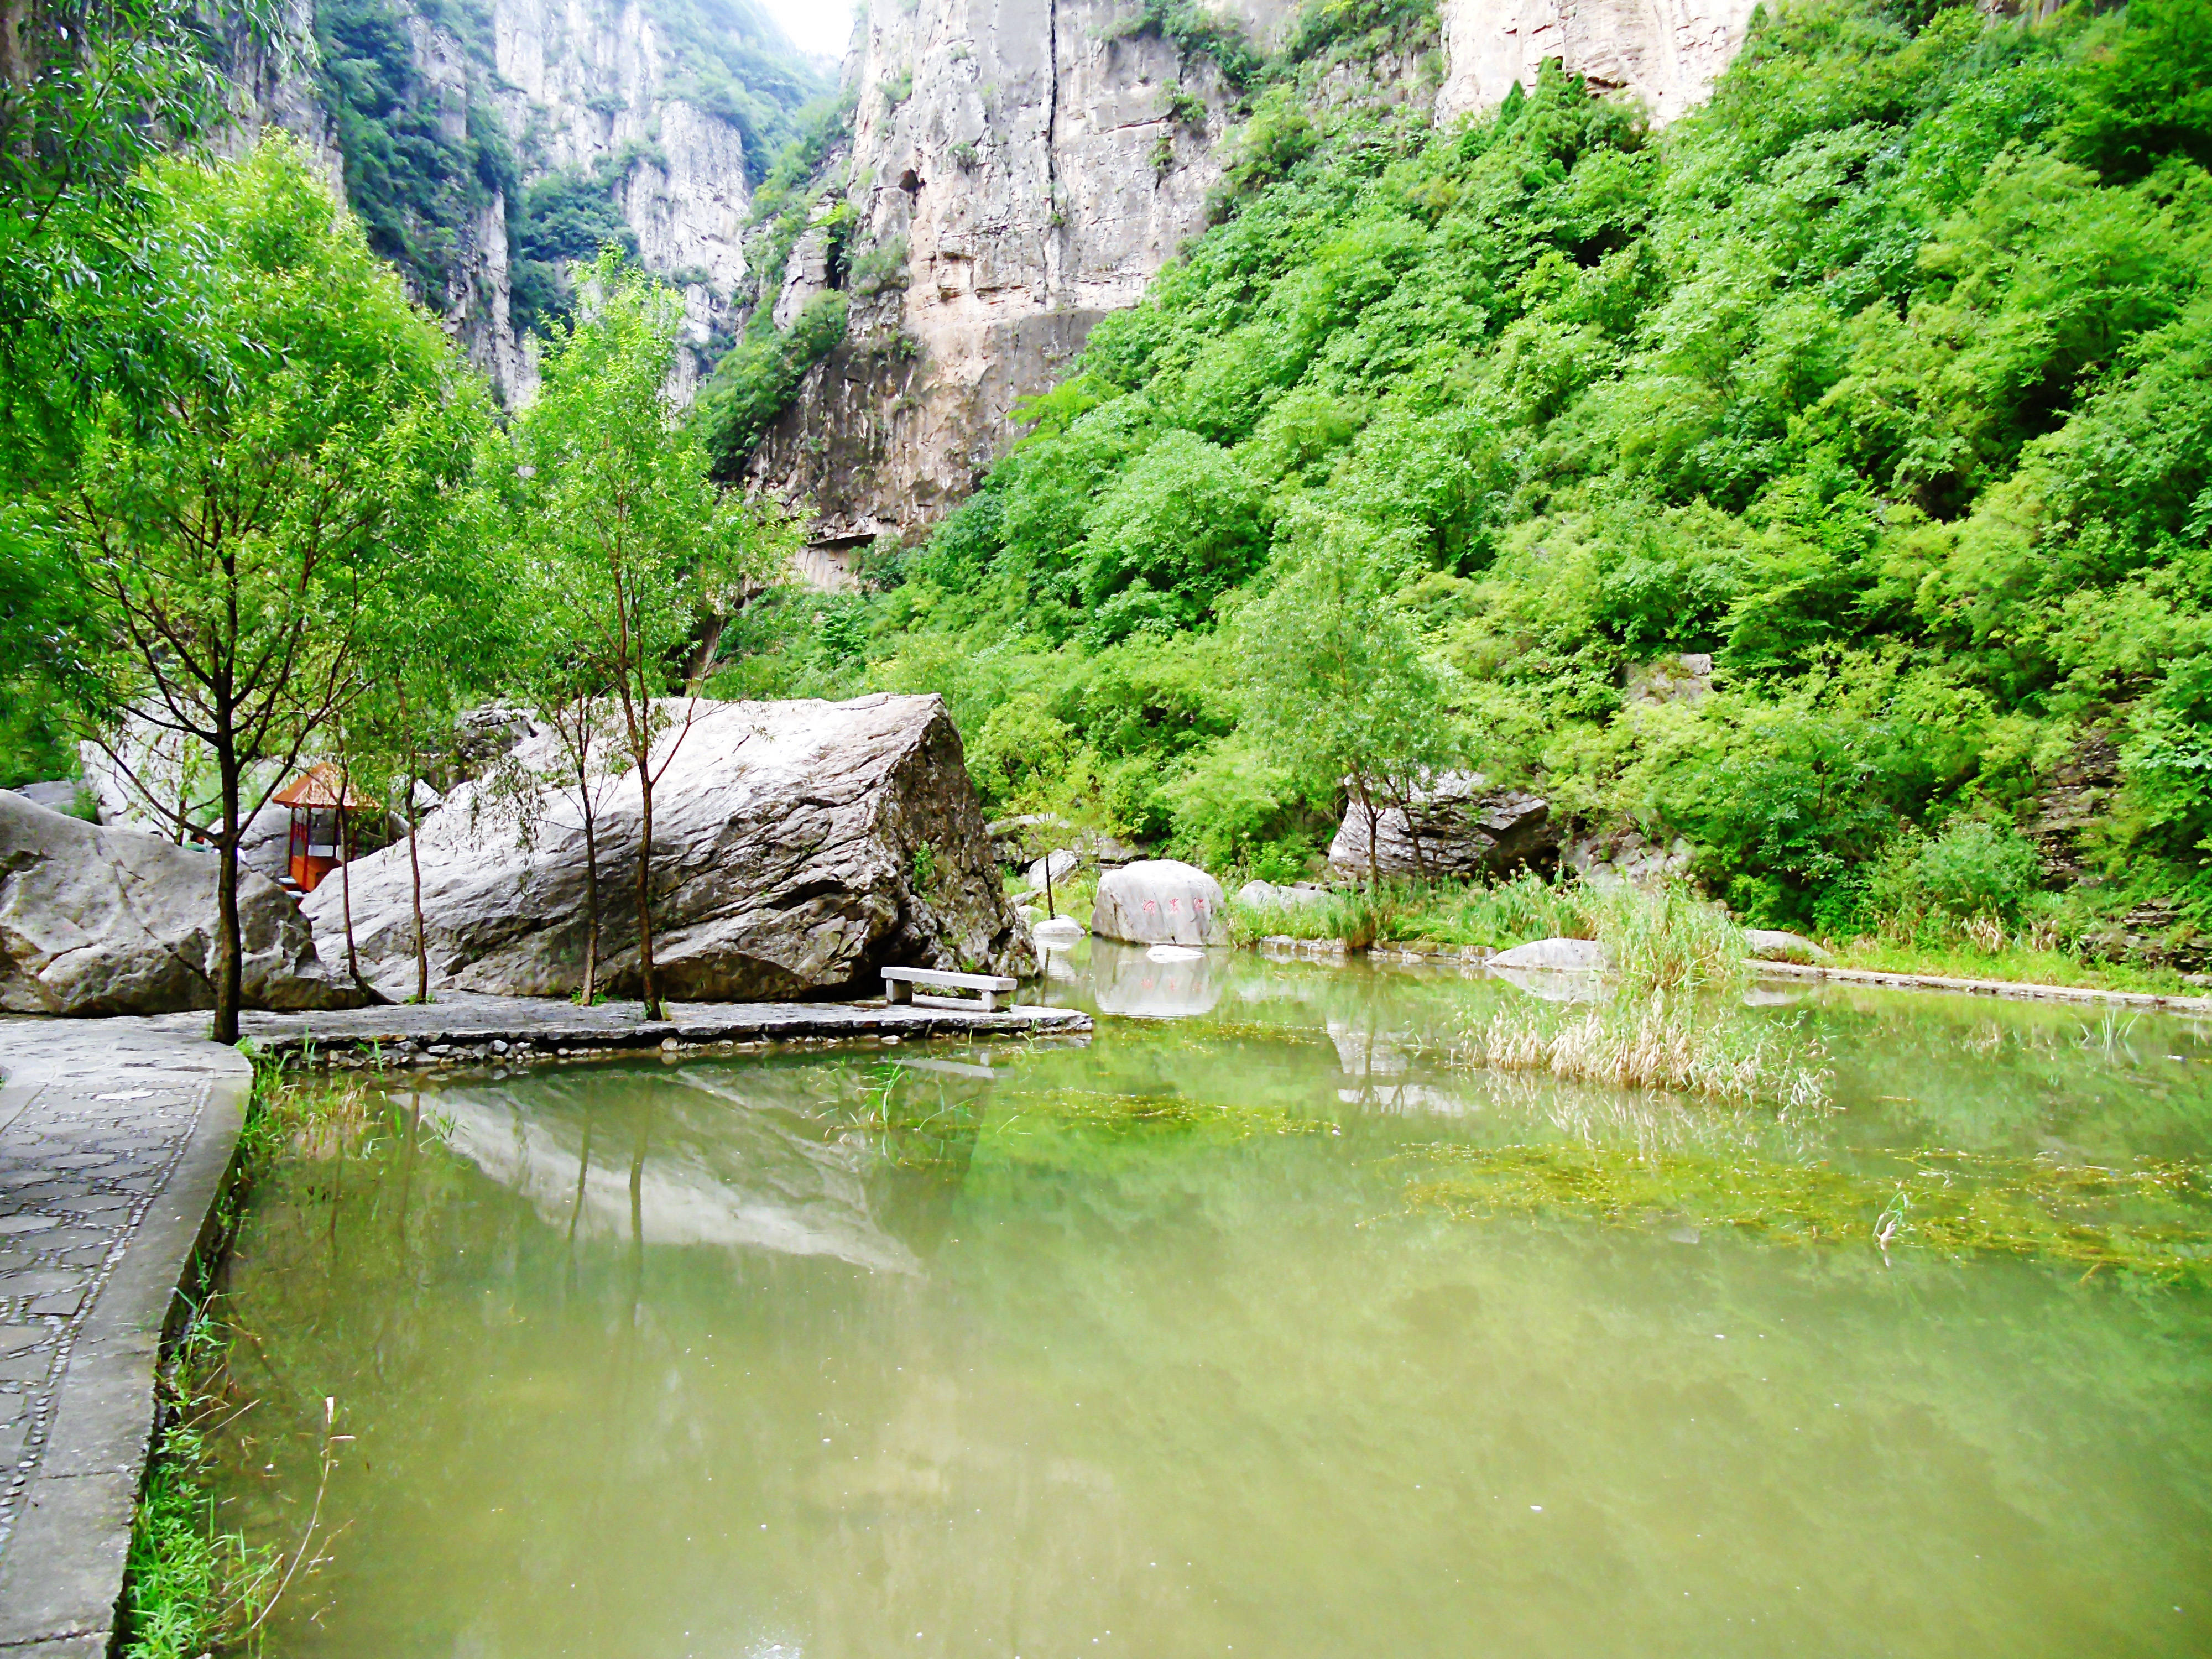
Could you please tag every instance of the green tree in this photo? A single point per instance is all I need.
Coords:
(635, 547)
(235, 540)
(1335, 680)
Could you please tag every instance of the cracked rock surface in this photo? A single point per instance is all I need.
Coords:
(118, 922)
(798, 847)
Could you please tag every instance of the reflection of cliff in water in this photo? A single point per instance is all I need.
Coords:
(718, 1156)
(1125, 980)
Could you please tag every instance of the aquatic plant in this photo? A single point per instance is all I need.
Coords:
(1666, 939)
(2147, 1220)
(1673, 1043)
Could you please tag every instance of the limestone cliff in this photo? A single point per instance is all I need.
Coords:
(1035, 166)
(1030, 164)
(1666, 53)
(484, 146)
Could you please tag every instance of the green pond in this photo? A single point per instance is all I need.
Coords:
(1251, 1326)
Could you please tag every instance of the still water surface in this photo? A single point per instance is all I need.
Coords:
(1162, 1346)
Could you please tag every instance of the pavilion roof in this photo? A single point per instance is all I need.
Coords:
(320, 785)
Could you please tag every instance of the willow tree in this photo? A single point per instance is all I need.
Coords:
(635, 547)
(235, 531)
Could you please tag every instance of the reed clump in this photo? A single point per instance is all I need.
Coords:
(1677, 967)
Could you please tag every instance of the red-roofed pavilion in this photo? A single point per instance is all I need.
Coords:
(319, 799)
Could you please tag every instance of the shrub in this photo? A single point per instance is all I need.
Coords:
(1971, 869)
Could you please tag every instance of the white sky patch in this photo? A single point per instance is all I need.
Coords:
(820, 28)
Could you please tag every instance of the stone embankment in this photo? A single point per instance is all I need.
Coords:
(466, 1028)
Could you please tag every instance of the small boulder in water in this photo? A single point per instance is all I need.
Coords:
(1159, 902)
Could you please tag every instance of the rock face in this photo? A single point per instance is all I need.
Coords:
(577, 89)
(1666, 53)
(114, 921)
(1024, 166)
(1460, 827)
(798, 847)
(1625, 855)
(1159, 902)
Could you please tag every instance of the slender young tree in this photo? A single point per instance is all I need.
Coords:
(233, 541)
(1335, 680)
(637, 548)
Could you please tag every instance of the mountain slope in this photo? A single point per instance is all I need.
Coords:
(1883, 379)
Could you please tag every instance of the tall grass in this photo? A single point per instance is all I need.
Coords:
(1674, 1020)
(1680, 1044)
(1667, 940)
(1499, 915)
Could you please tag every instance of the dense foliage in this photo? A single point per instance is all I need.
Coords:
(1883, 379)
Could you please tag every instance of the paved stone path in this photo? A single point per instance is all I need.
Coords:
(114, 1138)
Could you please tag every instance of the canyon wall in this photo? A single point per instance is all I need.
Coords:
(1037, 167)
(1014, 169)
(1037, 164)
(567, 86)
(1666, 53)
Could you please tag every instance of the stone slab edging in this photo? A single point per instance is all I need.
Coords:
(1475, 956)
(2021, 990)
(466, 1026)
(115, 1138)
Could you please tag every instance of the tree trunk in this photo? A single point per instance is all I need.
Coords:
(591, 897)
(1374, 870)
(345, 867)
(415, 873)
(650, 992)
(229, 942)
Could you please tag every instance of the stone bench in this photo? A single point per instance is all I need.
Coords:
(900, 983)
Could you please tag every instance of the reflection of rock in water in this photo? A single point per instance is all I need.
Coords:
(1125, 982)
(722, 1164)
(1555, 986)
(1362, 1052)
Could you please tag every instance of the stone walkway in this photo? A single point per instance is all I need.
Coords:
(115, 1136)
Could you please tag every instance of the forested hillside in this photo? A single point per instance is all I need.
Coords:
(1886, 379)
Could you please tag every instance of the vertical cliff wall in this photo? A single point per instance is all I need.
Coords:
(485, 144)
(1666, 53)
(1029, 165)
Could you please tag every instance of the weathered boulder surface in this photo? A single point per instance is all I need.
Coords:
(58, 795)
(117, 922)
(1460, 826)
(1772, 944)
(1559, 956)
(1269, 896)
(1159, 902)
(798, 847)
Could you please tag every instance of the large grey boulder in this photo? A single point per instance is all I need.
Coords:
(58, 795)
(798, 848)
(117, 922)
(1772, 944)
(1559, 956)
(1460, 826)
(1159, 902)
(1267, 896)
